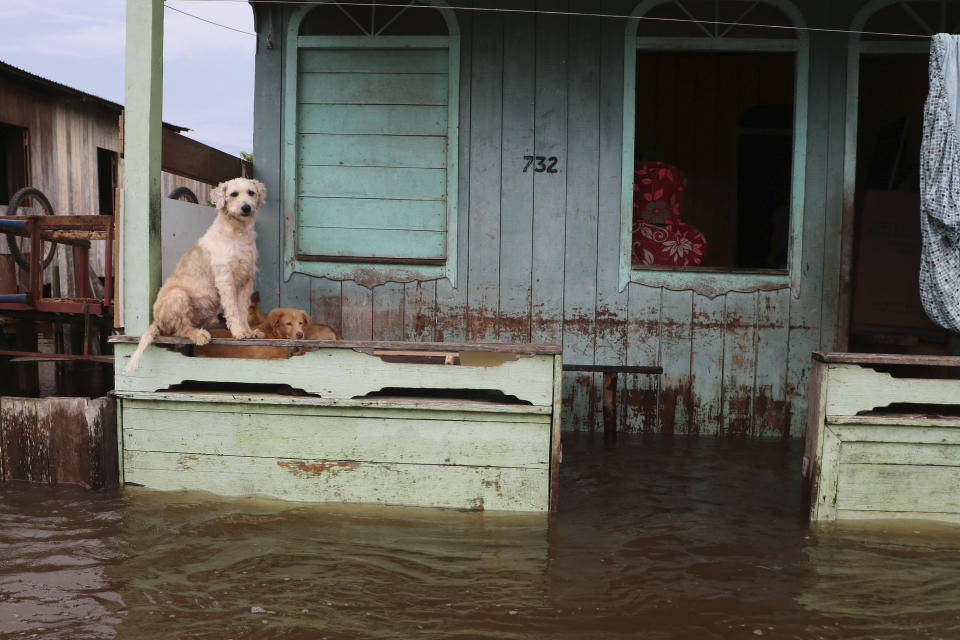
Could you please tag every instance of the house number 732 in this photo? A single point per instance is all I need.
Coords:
(543, 164)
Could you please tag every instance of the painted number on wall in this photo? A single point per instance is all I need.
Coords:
(541, 164)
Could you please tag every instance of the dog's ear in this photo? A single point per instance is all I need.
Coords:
(261, 191)
(306, 318)
(218, 195)
(275, 318)
(255, 297)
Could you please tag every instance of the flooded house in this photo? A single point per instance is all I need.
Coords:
(719, 188)
(714, 190)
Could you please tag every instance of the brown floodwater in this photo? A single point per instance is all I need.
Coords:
(654, 538)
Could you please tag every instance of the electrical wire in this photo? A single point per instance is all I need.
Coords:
(582, 15)
(167, 6)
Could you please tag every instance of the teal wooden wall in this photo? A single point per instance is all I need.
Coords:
(539, 253)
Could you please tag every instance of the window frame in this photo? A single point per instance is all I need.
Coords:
(716, 280)
(368, 272)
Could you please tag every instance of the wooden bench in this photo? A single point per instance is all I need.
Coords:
(610, 375)
(862, 459)
(466, 426)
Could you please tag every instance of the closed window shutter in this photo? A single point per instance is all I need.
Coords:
(371, 139)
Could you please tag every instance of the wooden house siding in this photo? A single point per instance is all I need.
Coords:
(539, 252)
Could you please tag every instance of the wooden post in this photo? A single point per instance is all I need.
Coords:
(610, 405)
(142, 138)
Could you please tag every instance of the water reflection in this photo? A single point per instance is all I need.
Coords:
(655, 538)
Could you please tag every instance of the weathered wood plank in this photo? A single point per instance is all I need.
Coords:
(380, 406)
(676, 352)
(336, 373)
(357, 311)
(901, 453)
(372, 88)
(582, 196)
(388, 311)
(344, 481)
(140, 224)
(424, 152)
(852, 389)
(374, 60)
(341, 437)
(770, 395)
(641, 393)
(398, 183)
(739, 362)
(549, 189)
(824, 500)
(889, 488)
(516, 190)
(612, 313)
(452, 300)
(371, 243)
(372, 213)
(420, 311)
(401, 120)
(483, 275)
(326, 302)
(706, 390)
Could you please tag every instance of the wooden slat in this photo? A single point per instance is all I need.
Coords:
(372, 182)
(739, 362)
(770, 396)
(326, 303)
(516, 187)
(483, 253)
(426, 152)
(612, 303)
(549, 192)
(388, 312)
(374, 60)
(640, 396)
(374, 243)
(675, 350)
(580, 178)
(258, 432)
(373, 89)
(451, 307)
(886, 358)
(706, 386)
(408, 120)
(191, 159)
(894, 488)
(471, 488)
(357, 312)
(372, 213)
(420, 310)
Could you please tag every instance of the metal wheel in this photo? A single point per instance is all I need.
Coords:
(50, 248)
(185, 194)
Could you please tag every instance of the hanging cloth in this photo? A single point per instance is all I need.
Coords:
(940, 186)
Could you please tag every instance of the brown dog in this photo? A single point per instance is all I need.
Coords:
(283, 324)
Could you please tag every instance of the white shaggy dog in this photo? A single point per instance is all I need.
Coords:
(217, 271)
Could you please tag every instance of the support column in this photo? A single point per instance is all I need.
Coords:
(141, 258)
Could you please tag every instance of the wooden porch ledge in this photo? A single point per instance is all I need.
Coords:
(837, 357)
(367, 345)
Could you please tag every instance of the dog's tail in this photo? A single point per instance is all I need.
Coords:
(147, 338)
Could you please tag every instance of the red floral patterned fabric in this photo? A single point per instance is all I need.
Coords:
(660, 236)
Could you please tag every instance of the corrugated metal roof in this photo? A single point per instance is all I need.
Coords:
(49, 85)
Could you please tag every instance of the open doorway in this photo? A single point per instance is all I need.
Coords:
(886, 312)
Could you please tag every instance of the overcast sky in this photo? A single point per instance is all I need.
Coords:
(207, 74)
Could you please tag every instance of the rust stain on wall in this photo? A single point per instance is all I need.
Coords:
(770, 414)
(476, 504)
(303, 469)
(737, 411)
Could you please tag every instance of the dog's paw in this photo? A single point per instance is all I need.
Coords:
(249, 333)
(256, 333)
(200, 337)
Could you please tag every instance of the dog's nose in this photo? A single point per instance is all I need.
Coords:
(299, 334)
(245, 208)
